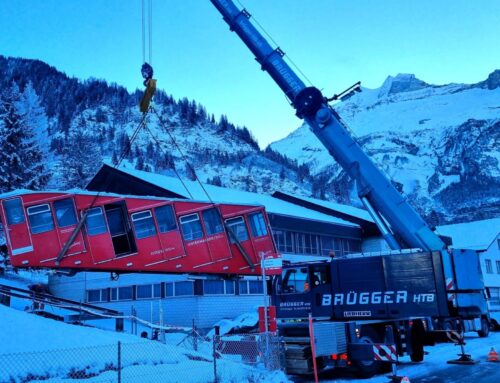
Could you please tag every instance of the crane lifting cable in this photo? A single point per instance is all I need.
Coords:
(147, 44)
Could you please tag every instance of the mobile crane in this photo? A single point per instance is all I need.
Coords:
(355, 302)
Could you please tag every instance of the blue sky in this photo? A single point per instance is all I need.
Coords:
(335, 43)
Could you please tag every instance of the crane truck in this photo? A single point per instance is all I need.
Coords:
(359, 303)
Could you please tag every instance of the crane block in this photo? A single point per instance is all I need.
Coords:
(148, 95)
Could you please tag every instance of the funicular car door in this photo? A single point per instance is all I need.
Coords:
(43, 231)
(262, 241)
(146, 236)
(239, 236)
(98, 236)
(168, 232)
(16, 230)
(194, 240)
(218, 245)
(66, 221)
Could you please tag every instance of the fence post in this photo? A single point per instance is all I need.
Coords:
(215, 341)
(119, 362)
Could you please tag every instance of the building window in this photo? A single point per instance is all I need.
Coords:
(212, 221)
(95, 222)
(179, 289)
(498, 267)
(144, 292)
(65, 212)
(239, 229)
(191, 227)
(284, 240)
(494, 295)
(14, 211)
(97, 295)
(257, 224)
(251, 287)
(40, 218)
(165, 218)
(122, 293)
(144, 225)
(218, 287)
(489, 266)
(306, 243)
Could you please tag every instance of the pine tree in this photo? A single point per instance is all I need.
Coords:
(21, 159)
(81, 159)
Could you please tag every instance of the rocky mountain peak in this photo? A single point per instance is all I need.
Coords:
(403, 82)
(492, 82)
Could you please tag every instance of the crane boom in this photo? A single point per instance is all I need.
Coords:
(380, 197)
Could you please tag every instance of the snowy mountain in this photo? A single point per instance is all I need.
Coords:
(440, 143)
(89, 121)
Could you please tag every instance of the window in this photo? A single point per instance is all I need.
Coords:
(494, 295)
(98, 295)
(179, 289)
(320, 276)
(257, 224)
(144, 224)
(295, 280)
(122, 293)
(191, 227)
(157, 290)
(218, 287)
(306, 243)
(498, 267)
(327, 245)
(40, 218)
(65, 212)
(165, 218)
(238, 228)
(184, 288)
(251, 287)
(489, 266)
(212, 221)
(14, 211)
(95, 222)
(144, 291)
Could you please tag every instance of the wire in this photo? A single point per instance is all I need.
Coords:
(143, 33)
(151, 32)
(163, 125)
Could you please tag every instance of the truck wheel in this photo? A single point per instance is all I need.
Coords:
(368, 368)
(485, 328)
(417, 341)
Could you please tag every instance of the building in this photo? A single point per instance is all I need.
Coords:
(182, 300)
(484, 237)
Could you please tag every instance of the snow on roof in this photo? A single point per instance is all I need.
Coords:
(345, 209)
(476, 235)
(225, 195)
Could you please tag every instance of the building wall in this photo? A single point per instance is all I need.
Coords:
(204, 310)
(490, 266)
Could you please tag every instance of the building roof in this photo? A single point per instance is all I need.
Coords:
(476, 235)
(218, 194)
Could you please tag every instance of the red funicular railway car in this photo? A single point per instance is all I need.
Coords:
(134, 234)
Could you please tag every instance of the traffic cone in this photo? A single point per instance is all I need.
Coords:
(493, 356)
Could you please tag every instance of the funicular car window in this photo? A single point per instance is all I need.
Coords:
(65, 212)
(14, 211)
(95, 222)
(144, 224)
(165, 218)
(40, 218)
(257, 224)
(212, 221)
(238, 227)
(191, 227)
(295, 280)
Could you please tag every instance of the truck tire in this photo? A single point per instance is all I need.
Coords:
(367, 368)
(485, 328)
(417, 341)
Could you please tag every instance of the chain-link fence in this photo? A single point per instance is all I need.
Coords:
(182, 358)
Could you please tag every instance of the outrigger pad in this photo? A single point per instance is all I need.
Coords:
(148, 95)
(464, 359)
